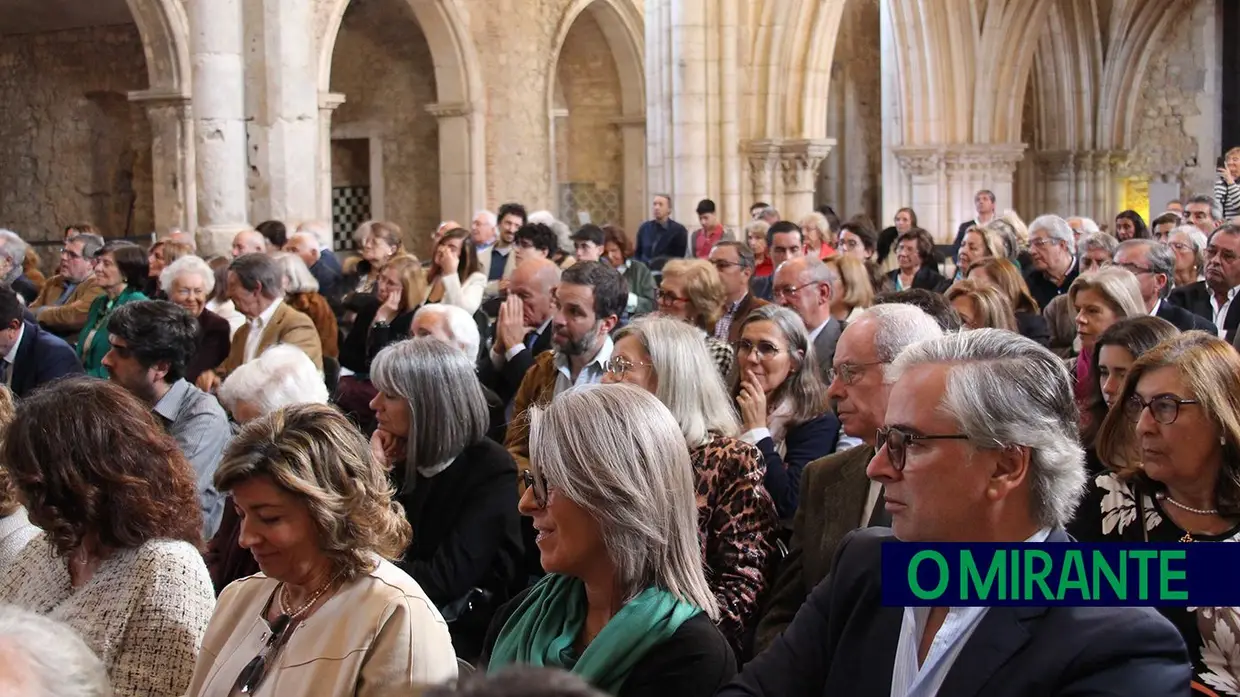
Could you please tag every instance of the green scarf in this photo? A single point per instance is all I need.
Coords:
(543, 629)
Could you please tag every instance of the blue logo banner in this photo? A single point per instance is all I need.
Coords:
(1061, 573)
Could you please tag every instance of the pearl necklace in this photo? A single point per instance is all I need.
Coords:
(1162, 496)
(294, 614)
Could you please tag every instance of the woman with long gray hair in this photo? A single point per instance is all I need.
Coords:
(783, 402)
(736, 516)
(455, 483)
(625, 603)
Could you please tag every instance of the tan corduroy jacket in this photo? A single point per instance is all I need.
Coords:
(287, 326)
(66, 319)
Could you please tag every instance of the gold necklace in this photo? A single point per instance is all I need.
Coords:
(292, 615)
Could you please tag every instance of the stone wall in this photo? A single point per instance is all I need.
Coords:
(1177, 132)
(850, 179)
(382, 64)
(72, 146)
(589, 155)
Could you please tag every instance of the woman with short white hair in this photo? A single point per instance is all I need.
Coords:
(625, 603)
(736, 516)
(189, 282)
(819, 237)
(282, 375)
(455, 484)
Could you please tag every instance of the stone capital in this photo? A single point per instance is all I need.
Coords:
(450, 109)
(799, 161)
(985, 157)
(763, 159)
(329, 101)
(1055, 163)
(919, 161)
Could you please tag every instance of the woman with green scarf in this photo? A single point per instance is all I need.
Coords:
(625, 604)
(121, 271)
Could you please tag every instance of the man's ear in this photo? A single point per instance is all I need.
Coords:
(609, 323)
(160, 369)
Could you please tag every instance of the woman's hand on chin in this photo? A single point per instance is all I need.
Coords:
(387, 448)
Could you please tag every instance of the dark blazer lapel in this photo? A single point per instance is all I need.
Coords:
(23, 370)
(1232, 319)
(881, 642)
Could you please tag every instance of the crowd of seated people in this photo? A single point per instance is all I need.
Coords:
(664, 467)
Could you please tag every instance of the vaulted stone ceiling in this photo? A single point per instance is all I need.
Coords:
(32, 16)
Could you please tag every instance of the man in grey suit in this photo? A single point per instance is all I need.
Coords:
(836, 495)
(805, 286)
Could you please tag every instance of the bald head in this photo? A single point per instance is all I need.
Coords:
(305, 245)
(321, 231)
(183, 237)
(249, 242)
(533, 281)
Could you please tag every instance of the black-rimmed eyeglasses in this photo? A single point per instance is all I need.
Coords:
(897, 443)
(537, 486)
(1165, 408)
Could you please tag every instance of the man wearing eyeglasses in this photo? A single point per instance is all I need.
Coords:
(735, 263)
(1214, 297)
(64, 303)
(981, 446)
(1053, 248)
(836, 496)
(804, 285)
(1154, 266)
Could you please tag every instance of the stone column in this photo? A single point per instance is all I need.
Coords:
(461, 190)
(1055, 168)
(172, 158)
(633, 195)
(926, 176)
(219, 122)
(896, 190)
(970, 168)
(763, 158)
(328, 102)
(284, 133)
(798, 163)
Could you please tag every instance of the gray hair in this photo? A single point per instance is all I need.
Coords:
(1098, 241)
(898, 326)
(321, 231)
(297, 276)
(462, 328)
(57, 659)
(186, 265)
(769, 212)
(1216, 211)
(447, 409)
(1057, 228)
(819, 272)
(1088, 225)
(280, 376)
(91, 244)
(1159, 257)
(13, 248)
(489, 216)
(617, 451)
(697, 398)
(758, 226)
(257, 269)
(803, 387)
(1119, 287)
(1006, 391)
(563, 234)
(744, 255)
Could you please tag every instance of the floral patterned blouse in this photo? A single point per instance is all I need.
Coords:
(737, 526)
(1109, 513)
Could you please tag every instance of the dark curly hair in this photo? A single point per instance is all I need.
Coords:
(539, 235)
(157, 330)
(90, 460)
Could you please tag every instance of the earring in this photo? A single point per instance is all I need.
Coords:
(1222, 440)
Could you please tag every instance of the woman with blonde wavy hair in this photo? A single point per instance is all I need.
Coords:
(1171, 448)
(693, 292)
(625, 604)
(329, 615)
(981, 306)
(853, 291)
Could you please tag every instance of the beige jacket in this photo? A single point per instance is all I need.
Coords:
(66, 319)
(379, 635)
(287, 326)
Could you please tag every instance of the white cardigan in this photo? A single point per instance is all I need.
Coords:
(467, 296)
(144, 612)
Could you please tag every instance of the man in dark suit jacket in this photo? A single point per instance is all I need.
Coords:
(844, 641)
(29, 355)
(1154, 266)
(523, 329)
(804, 285)
(836, 496)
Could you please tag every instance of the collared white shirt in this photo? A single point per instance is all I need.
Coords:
(908, 679)
(11, 356)
(1157, 304)
(813, 336)
(1220, 313)
(591, 374)
(257, 325)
